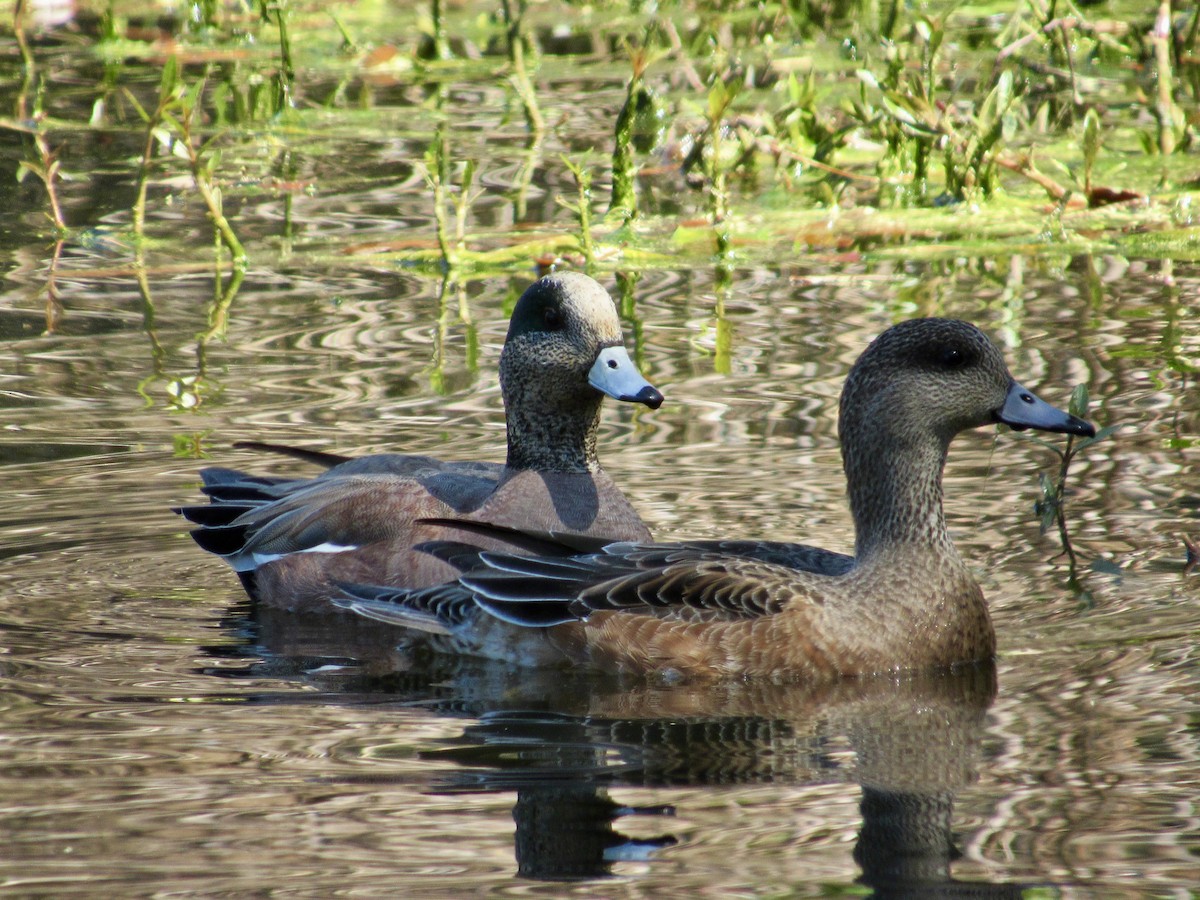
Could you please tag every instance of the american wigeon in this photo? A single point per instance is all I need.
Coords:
(715, 609)
(359, 520)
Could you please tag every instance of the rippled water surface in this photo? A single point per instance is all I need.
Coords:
(158, 736)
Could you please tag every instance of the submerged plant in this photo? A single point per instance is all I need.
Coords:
(1052, 505)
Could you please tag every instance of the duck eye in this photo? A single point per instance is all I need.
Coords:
(951, 358)
(552, 318)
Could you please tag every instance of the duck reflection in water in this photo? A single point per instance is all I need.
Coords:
(914, 743)
(562, 742)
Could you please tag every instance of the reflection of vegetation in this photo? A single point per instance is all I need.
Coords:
(627, 283)
(437, 176)
(452, 307)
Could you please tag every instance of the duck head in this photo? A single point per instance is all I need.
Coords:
(562, 355)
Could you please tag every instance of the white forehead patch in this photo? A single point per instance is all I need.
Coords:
(590, 303)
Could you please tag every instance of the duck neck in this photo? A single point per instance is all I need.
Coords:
(896, 496)
(553, 440)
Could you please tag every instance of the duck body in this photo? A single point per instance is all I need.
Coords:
(290, 539)
(727, 609)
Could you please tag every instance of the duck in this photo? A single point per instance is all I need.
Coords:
(290, 539)
(904, 600)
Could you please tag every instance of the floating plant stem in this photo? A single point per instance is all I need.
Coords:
(203, 163)
(274, 11)
(42, 163)
(441, 46)
(202, 174)
(1052, 505)
(168, 95)
(1166, 112)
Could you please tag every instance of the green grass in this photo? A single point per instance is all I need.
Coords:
(928, 130)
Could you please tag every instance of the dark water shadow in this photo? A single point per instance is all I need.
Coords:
(560, 741)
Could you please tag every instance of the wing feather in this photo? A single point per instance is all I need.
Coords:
(667, 581)
(435, 610)
(698, 581)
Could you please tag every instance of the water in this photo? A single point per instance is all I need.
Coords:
(159, 737)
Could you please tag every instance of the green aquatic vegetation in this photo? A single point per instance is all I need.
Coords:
(275, 12)
(912, 123)
(806, 132)
(581, 209)
(435, 30)
(518, 59)
(436, 170)
(849, 126)
(173, 126)
(623, 202)
(716, 169)
(1051, 507)
(40, 158)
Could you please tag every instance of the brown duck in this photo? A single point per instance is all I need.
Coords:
(287, 539)
(718, 609)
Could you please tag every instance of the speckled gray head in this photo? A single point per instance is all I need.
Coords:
(568, 322)
(563, 353)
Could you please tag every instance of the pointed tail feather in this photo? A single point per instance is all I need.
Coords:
(316, 457)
